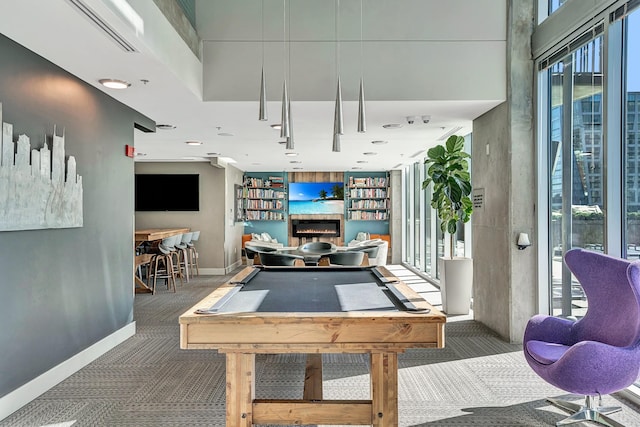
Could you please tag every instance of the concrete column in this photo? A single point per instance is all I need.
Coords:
(395, 223)
(505, 280)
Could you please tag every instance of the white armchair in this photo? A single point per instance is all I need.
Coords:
(360, 237)
(383, 249)
(264, 240)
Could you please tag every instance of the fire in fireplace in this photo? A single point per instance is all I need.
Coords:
(315, 227)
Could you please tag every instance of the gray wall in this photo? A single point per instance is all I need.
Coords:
(65, 289)
(505, 279)
(220, 240)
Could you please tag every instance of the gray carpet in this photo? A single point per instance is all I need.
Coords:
(477, 380)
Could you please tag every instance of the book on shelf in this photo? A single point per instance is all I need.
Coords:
(367, 182)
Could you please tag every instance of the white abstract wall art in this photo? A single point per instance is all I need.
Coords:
(37, 189)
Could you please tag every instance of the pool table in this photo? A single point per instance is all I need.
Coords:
(312, 310)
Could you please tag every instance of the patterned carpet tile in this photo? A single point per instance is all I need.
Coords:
(185, 383)
(140, 352)
(489, 414)
(453, 381)
(154, 414)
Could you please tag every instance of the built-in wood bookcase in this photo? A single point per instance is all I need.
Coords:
(264, 197)
(367, 198)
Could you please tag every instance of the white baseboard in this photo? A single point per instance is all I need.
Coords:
(212, 272)
(220, 271)
(34, 388)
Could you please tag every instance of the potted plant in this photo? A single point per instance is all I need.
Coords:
(448, 170)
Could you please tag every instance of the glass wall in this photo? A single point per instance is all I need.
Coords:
(589, 147)
(418, 209)
(632, 135)
(592, 144)
(575, 168)
(408, 231)
(425, 241)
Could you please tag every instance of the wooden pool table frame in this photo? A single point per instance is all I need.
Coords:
(382, 334)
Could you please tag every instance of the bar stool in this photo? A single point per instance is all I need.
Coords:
(170, 244)
(184, 259)
(161, 267)
(193, 253)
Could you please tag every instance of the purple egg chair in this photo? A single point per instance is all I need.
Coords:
(600, 353)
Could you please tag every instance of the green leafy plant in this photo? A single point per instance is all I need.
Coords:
(448, 169)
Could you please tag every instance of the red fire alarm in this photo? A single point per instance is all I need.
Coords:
(129, 151)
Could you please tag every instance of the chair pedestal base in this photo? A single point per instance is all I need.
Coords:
(587, 412)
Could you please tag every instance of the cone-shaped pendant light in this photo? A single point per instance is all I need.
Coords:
(362, 120)
(285, 129)
(336, 143)
(262, 114)
(290, 144)
(338, 124)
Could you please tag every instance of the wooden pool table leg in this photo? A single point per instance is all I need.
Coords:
(240, 389)
(384, 389)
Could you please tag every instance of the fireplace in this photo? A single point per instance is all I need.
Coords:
(315, 227)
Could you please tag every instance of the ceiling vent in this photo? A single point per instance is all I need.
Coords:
(99, 23)
(217, 162)
(448, 134)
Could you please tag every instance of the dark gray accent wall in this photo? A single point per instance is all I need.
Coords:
(63, 290)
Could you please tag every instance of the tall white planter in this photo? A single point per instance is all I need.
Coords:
(456, 279)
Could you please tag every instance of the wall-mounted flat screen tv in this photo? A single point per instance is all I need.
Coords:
(167, 192)
(308, 198)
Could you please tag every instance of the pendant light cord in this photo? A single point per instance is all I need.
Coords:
(361, 55)
(284, 38)
(289, 47)
(337, 39)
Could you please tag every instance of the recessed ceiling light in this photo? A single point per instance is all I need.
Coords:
(165, 127)
(291, 154)
(379, 142)
(297, 168)
(139, 154)
(193, 143)
(114, 84)
(213, 154)
(362, 161)
(392, 126)
(370, 153)
(225, 134)
(356, 167)
(295, 161)
(276, 125)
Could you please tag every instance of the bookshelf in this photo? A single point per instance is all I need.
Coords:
(368, 198)
(264, 198)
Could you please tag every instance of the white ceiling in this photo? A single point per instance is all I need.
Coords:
(440, 59)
